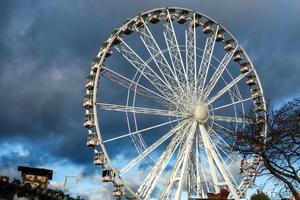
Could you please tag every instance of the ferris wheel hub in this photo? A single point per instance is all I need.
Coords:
(201, 112)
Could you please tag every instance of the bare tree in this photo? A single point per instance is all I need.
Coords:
(279, 151)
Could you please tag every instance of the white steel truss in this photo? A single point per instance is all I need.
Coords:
(141, 66)
(218, 72)
(212, 154)
(229, 119)
(184, 168)
(191, 56)
(140, 131)
(136, 87)
(227, 87)
(206, 59)
(147, 187)
(135, 109)
(162, 64)
(140, 157)
(173, 49)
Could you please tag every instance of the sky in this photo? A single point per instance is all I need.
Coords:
(46, 48)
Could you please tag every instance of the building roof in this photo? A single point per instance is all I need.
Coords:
(36, 171)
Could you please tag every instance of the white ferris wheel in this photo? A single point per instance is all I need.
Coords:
(163, 93)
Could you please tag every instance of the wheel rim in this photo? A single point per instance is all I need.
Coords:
(183, 80)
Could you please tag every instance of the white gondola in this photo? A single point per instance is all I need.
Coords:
(88, 100)
(261, 120)
(256, 93)
(117, 40)
(170, 16)
(139, 23)
(251, 80)
(207, 27)
(221, 35)
(95, 64)
(99, 158)
(245, 67)
(108, 175)
(259, 107)
(89, 121)
(229, 45)
(172, 13)
(182, 18)
(238, 56)
(108, 53)
(155, 18)
(92, 140)
(89, 84)
(128, 29)
(118, 191)
(103, 49)
(195, 21)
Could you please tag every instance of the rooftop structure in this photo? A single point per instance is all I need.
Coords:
(36, 177)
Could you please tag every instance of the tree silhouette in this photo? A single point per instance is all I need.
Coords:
(279, 150)
(260, 196)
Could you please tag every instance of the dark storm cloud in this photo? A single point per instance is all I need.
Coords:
(46, 47)
(42, 78)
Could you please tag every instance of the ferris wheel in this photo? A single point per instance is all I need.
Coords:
(163, 93)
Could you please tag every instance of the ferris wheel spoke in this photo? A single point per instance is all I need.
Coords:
(184, 168)
(228, 157)
(205, 171)
(212, 169)
(136, 87)
(172, 178)
(215, 147)
(222, 127)
(218, 72)
(206, 59)
(235, 154)
(157, 55)
(189, 61)
(141, 66)
(227, 87)
(228, 119)
(173, 47)
(191, 54)
(231, 104)
(226, 144)
(205, 181)
(198, 178)
(151, 148)
(211, 153)
(150, 182)
(221, 139)
(141, 110)
(140, 131)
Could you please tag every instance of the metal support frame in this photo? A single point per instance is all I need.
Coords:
(217, 161)
(149, 184)
(184, 171)
(206, 59)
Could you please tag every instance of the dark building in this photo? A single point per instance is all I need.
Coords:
(36, 177)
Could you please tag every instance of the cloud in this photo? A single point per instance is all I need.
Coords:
(46, 48)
